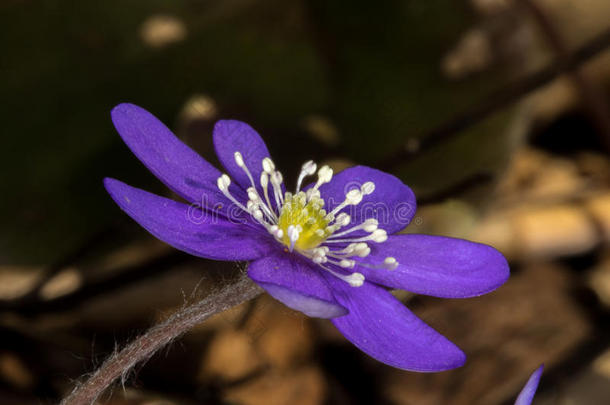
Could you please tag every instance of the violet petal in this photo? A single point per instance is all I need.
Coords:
(438, 266)
(168, 158)
(232, 136)
(189, 228)
(382, 327)
(297, 283)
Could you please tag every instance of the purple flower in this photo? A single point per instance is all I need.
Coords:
(322, 249)
(527, 393)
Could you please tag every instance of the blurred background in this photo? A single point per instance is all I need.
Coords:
(496, 113)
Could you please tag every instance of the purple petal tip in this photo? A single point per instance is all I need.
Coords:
(527, 393)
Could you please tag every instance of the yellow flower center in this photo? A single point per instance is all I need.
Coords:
(304, 223)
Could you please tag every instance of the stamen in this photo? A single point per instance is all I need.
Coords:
(256, 199)
(277, 232)
(389, 263)
(353, 197)
(252, 191)
(370, 225)
(264, 185)
(307, 169)
(276, 182)
(343, 219)
(223, 183)
(324, 175)
(379, 236)
(239, 160)
(354, 279)
(360, 249)
(367, 188)
(268, 165)
(347, 263)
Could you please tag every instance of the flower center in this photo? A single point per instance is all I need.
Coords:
(303, 222)
(300, 222)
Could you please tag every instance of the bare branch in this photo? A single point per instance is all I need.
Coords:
(498, 100)
(593, 99)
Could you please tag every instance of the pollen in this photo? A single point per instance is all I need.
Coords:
(304, 223)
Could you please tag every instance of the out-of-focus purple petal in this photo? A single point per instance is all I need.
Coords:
(382, 327)
(297, 283)
(168, 158)
(438, 266)
(188, 228)
(232, 136)
(392, 203)
(527, 393)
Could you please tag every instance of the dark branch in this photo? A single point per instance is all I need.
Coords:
(499, 99)
(593, 100)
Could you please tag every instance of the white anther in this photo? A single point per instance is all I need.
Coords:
(239, 159)
(370, 225)
(353, 197)
(325, 174)
(264, 185)
(371, 221)
(349, 248)
(320, 250)
(347, 263)
(276, 178)
(343, 219)
(379, 236)
(276, 181)
(264, 180)
(355, 279)
(279, 234)
(367, 188)
(268, 165)
(253, 195)
(309, 167)
(362, 249)
(390, 263)
(223, 182)
(258, 214)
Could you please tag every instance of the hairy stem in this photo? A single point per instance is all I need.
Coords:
(142, 348)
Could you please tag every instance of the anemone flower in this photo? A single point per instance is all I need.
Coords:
(328, 249)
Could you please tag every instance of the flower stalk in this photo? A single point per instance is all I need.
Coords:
(119, 364)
